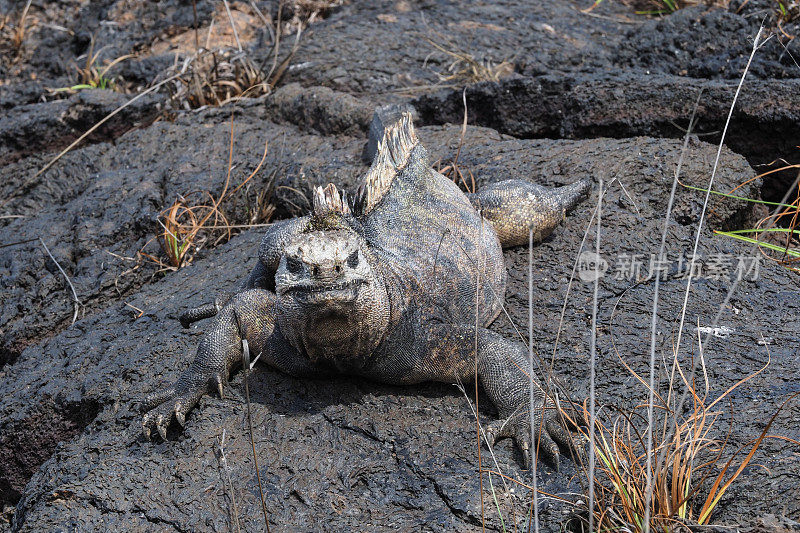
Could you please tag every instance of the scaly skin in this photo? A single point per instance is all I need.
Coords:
(386, 288)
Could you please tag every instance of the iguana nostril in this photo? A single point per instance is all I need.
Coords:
(316, 271)
(338, 269)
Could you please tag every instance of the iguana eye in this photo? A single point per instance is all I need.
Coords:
(352, 259)
(294, 265)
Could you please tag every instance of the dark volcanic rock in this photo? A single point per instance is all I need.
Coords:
(51, 126)
(319, 109)
(765, 122)
(344, 454)
(352, 454)
(388, 46)
(700, 42)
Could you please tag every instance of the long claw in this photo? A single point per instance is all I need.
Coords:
(491, 434)
(558, 432)
(220, 388)
(179, 416)
(161, 426)
(496, 430)
(146, 429)
(526, 454)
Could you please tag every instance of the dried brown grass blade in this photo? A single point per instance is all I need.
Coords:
(717, 491)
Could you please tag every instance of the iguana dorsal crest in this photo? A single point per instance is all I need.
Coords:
(329, 208)
(329, 200)
(394, 150)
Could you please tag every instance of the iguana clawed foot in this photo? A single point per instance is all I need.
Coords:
(162, 406)
(550, 433)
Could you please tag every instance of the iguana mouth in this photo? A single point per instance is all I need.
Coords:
(319, 288)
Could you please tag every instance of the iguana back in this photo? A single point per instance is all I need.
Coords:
(431, 230)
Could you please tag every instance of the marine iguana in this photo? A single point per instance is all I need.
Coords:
(386, 287)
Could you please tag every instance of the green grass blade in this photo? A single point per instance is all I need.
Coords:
(496, 503)
(769, 246)
(778, 204)
(766, 230)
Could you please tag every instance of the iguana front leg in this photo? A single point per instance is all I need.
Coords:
(263, 274)
(502, 366)
(250, 315)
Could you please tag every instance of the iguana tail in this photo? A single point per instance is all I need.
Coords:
(517, 207)
(569, 196)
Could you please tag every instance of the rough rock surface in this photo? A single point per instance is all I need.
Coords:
(600, 95)
(765, 123)
(331, 449)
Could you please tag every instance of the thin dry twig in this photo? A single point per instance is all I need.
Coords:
(489, 446)
(593, 361)
(477, 421)
(139, 312)
(464, 68)
(235, 510)
(247, 368)
(534, 442)
(6, 245)
(77, 303)
(233, 25)
(453, 170)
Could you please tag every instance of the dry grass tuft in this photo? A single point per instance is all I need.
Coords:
(693, 471)
(216, 77)
(15, 34)
(92, 76)
(463, 68)
(197, 219)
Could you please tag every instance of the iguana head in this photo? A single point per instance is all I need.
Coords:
(322, 266)
(332, 304)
